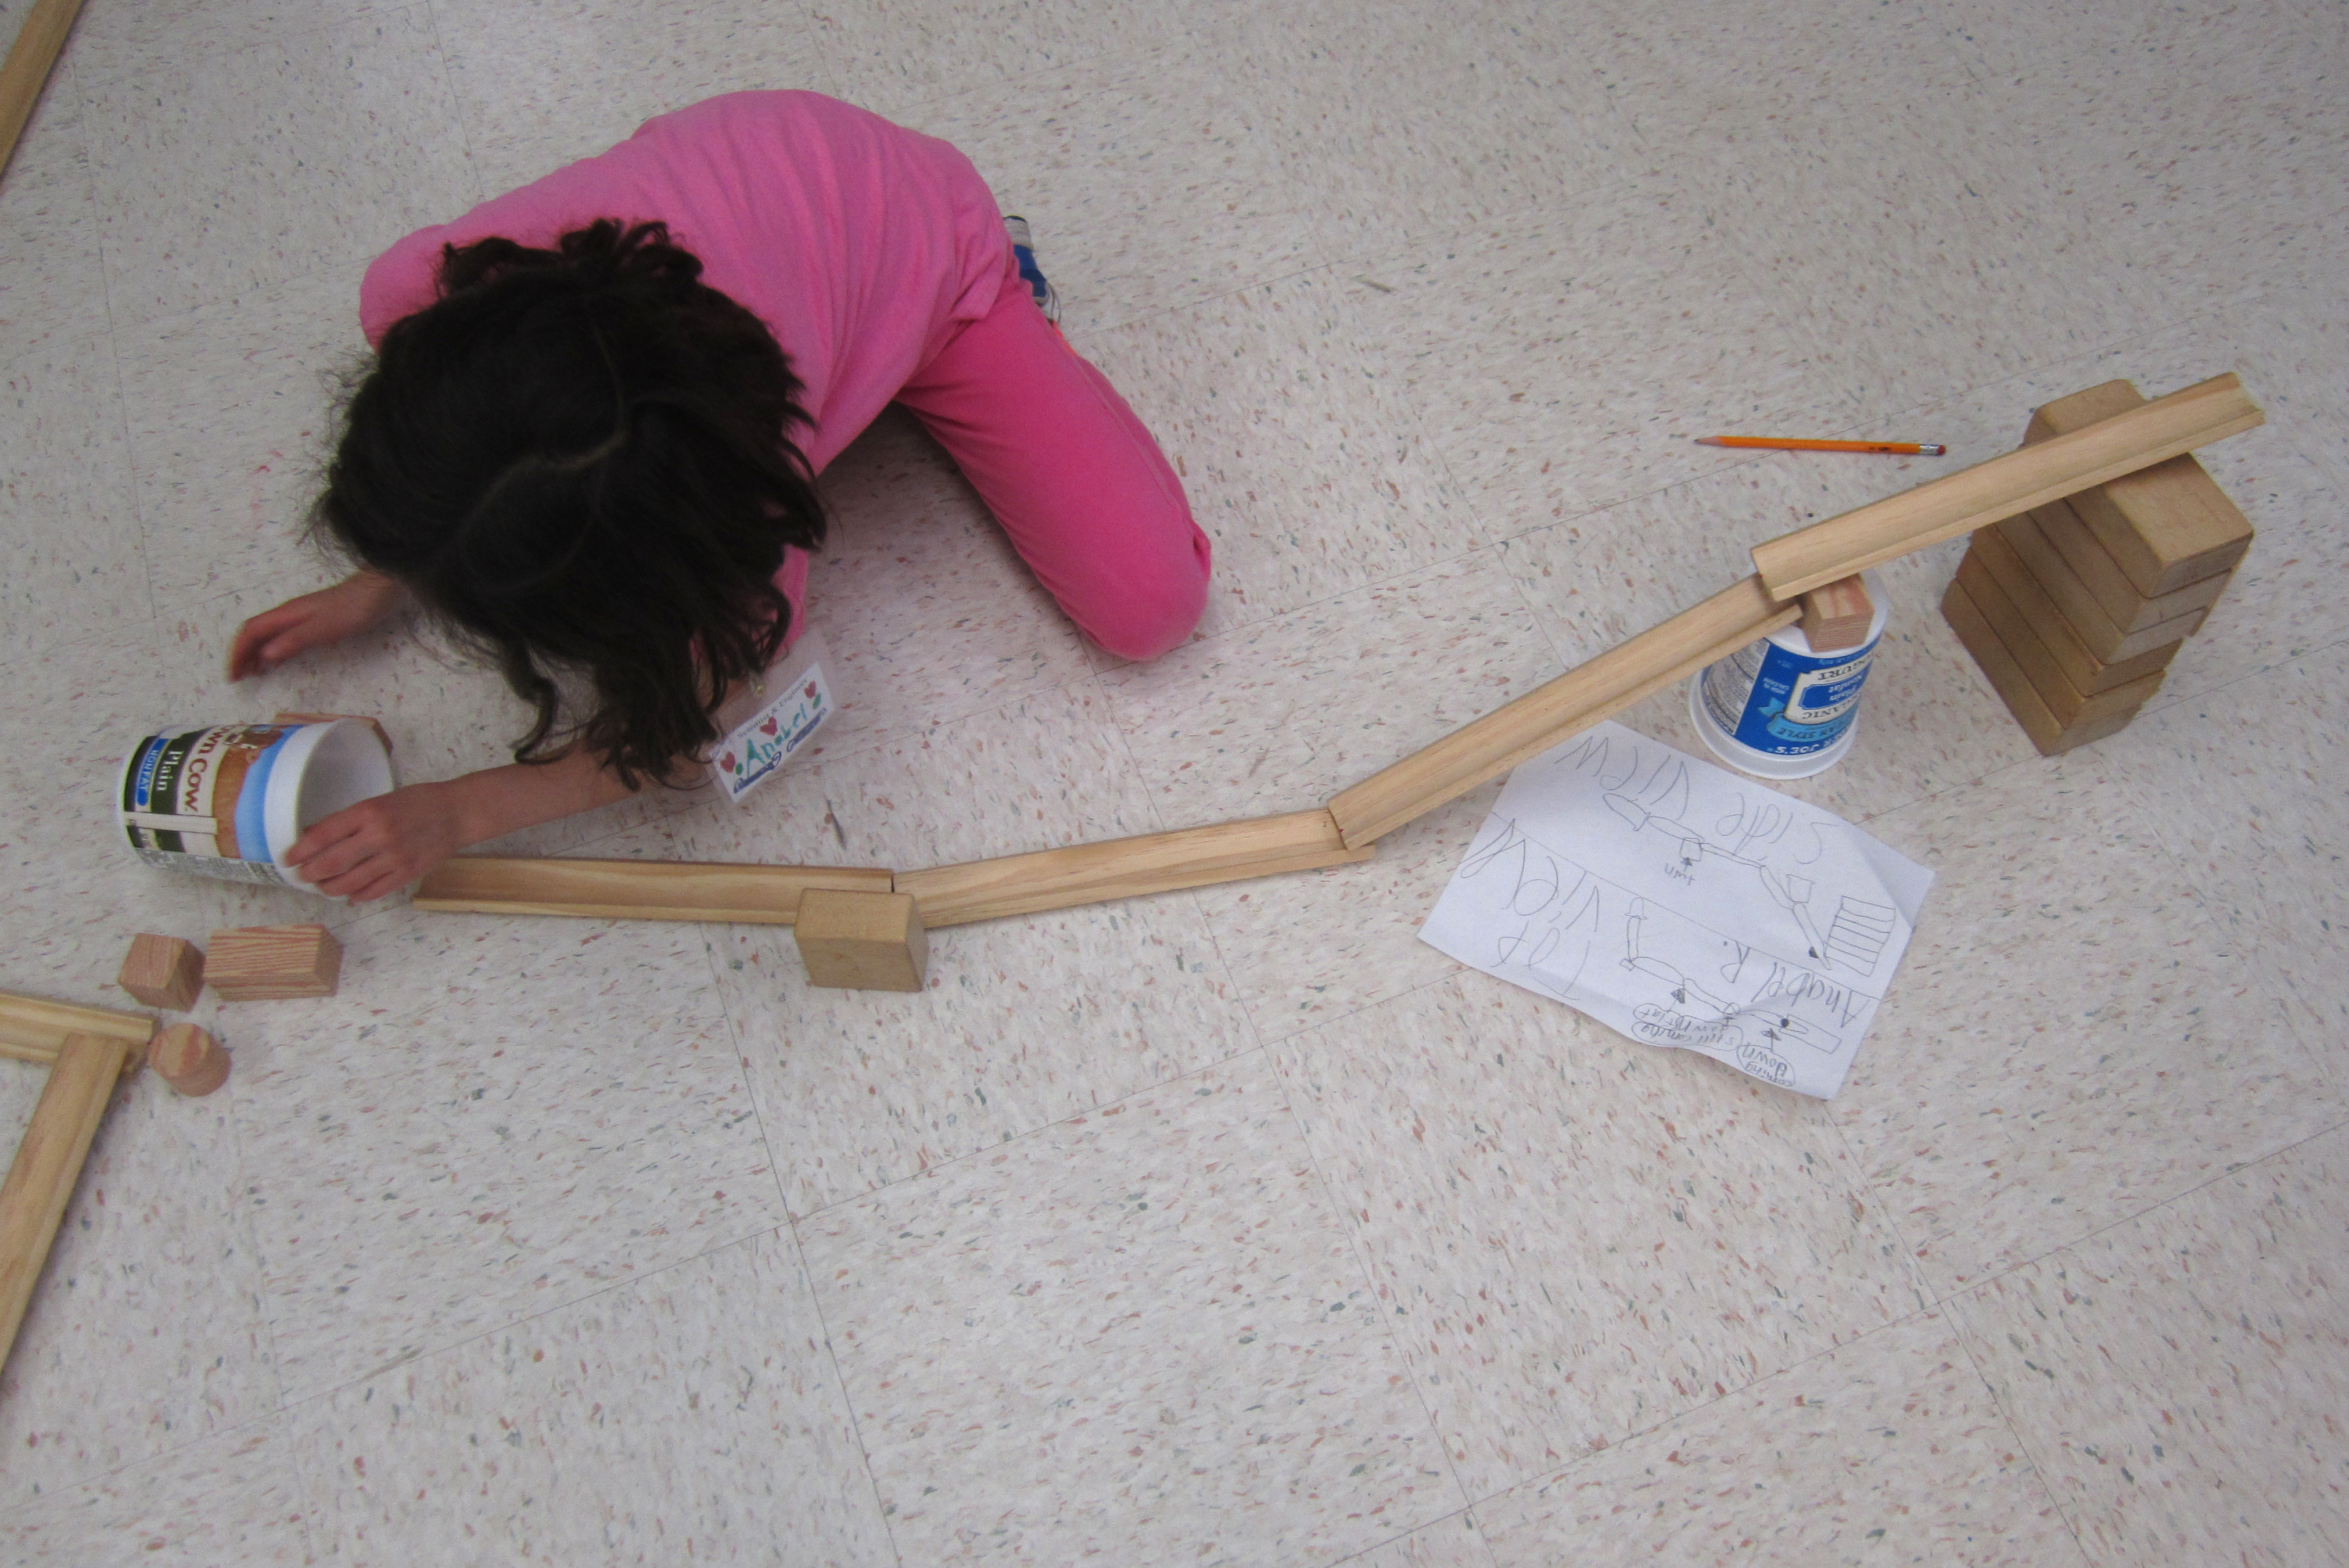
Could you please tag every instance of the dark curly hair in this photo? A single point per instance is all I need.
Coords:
(580, 460)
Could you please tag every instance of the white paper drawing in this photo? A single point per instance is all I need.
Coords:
(1685, 906)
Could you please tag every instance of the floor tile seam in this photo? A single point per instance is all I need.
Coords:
(465, 127)
(881, 1509)
(1077, 335)
(2167, 699)
(278, 1416)
(939, 1167)
(431, 1353)
(1369, 1273)
(738, 1036)
(1466, 1514)
(1967, 1333)
(1865, 1191)
(1543, 1477)
(1975, 1287)
(1332, 1020)
(133, 74)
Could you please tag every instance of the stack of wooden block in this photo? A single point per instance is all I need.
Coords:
(2075, 611)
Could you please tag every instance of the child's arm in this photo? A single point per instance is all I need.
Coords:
(382, 845)
(363, 599)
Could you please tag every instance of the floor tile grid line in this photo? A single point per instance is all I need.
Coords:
(465, 127)
(1965, 1337)
(1464, 1515)
(881, 1508)
(2038, 1472)
(1369, 1276)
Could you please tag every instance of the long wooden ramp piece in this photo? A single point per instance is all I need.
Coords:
(34, 1030)
(635, 890)
(1127, 868)
(2006, 486)
(1604, 686)
(48, 1162)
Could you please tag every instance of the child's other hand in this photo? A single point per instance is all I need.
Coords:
(380, 845)
(312, 621)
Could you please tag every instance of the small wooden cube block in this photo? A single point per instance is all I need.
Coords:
(269, 963)
(189, 1059)
(862, 941)
(1837, 616)
(163, 971)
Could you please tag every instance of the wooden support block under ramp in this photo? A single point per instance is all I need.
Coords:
(2046, 565)
(2006, 486)
(635, 890)
(862, 941)
(2068, 702)
(2163, 527)
(1128, 868)
(1602, 687)
(1985, 571)
(1837, 616)
(2015, 687)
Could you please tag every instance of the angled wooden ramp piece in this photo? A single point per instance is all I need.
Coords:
(635, 890)
(1605, 685)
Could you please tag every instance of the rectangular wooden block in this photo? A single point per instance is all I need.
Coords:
(862, 941)
(2014, 687)
(2164, 526)
(2108, 585)
(163, 971)
(2068, 703)
(634, 890)
(2062, 585)
(1837, 616)
(1992, 557)
(272, 962)
(1127, 868)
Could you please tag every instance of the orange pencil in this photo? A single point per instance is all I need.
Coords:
(1793, 444)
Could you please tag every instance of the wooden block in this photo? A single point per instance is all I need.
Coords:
(2164, 526)
(1127, 868)
(189, 1059)
(635, 890)
(1600, 688)
(34, 1030)
(862, 941)
(48, 1161)
(2006, 486)
(377, 725)
(163, 971)
(1837, 616)
(271, 963)
(2087, 618)
(2115, 594)
(2068, 703)
(2014, 687)
(2083, 670)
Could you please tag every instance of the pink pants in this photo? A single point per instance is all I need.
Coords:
(1089, 500)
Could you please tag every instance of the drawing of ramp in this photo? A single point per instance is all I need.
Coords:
(1856, 940)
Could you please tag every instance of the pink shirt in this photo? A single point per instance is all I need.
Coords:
(861, 244)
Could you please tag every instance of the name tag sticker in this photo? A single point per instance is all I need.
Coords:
(756, 751)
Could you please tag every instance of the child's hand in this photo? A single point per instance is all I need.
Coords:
(314, 620)
(380, 845)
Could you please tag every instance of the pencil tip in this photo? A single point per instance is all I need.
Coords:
(1708, 440)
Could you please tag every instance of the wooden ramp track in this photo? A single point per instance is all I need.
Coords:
(1788, 567)
(88, 1050)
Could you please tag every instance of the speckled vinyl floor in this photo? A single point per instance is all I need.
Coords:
(1235, 1227)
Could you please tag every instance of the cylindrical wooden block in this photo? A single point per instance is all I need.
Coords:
(189, 1059)
(48, 1162)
